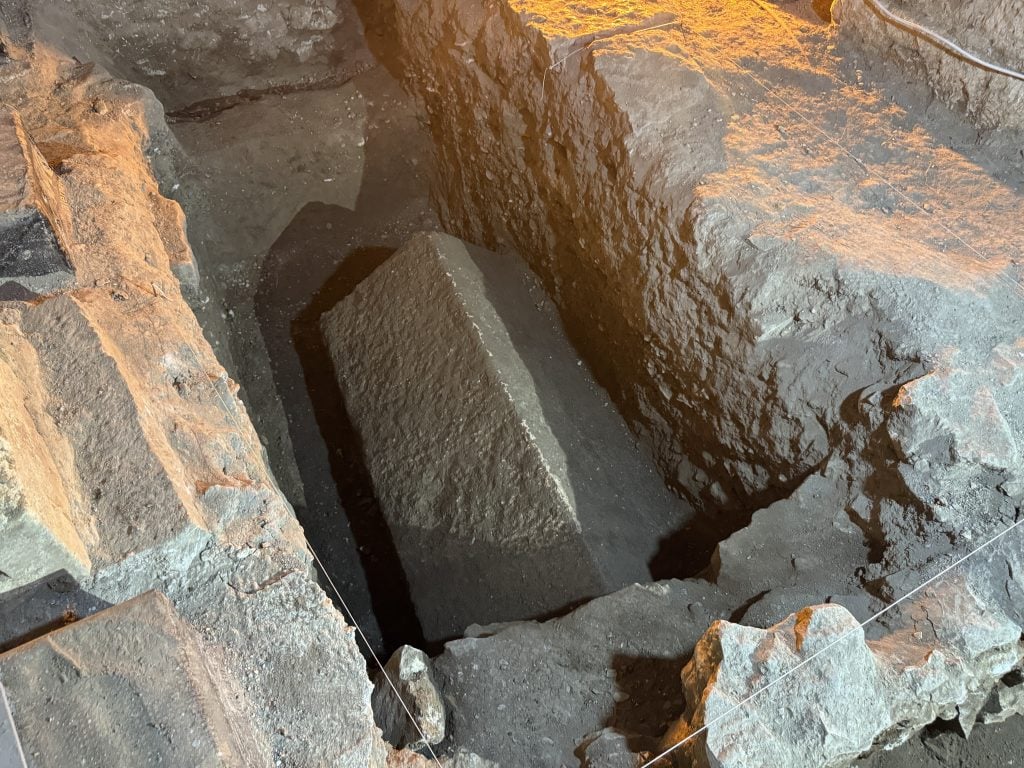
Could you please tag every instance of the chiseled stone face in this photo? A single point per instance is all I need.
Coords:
(510, 484)
(34, 223)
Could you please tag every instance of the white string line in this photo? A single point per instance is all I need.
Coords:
(1009, 281)
(598, 39)
(939, 41)
(853, 630)
(771, 92)
(401, 701)
(348, 612)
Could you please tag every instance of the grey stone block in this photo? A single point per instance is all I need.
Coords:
(43, 525)
(35, 226)
(511, 485)
(131, 686)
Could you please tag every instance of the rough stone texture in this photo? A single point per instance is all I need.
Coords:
(35, 229)
(459, 759)
(132, 685)
(610, 748)
(409, 671)
(506, 477)
(732, 274)
(993, 31)
(44, 523)
(854, 695)
(527, 694)
(11, 755)
(191, 52)
(800, 283)
(129, 435)
(42, 606)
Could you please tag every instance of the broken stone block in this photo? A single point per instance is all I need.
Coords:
(43, 606)
(120, 454)
(35, 226)
(409, 671)
(132, 685)
(833, 694)
(504, 473)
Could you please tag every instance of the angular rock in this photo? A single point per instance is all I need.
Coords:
(527, 694)
(724, 263)
(132, 685)
(43, 520)
(846, 695)
(42, 606)
(409, 672)
(35, 226)
(611, 748)
(506, 477)
(122, 456)
(130, 418)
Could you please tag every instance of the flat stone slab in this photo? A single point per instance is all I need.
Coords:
(511, 485)
(34, 223)
(132, 685)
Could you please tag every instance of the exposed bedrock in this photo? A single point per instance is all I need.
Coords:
(126, 457)
(805, 294)
(991, 31)
(733, 276)
(510, 484)
(201, 51)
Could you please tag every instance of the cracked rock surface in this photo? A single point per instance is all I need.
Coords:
(134, 464)
(797, 278)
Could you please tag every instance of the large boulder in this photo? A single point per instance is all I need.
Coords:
(813, 692)
(406, 702)
(511, 486)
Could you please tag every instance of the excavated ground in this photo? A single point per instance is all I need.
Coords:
(361, 193)
(294, 195)
(284, 227)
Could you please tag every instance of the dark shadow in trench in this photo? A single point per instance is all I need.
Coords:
(389, 591)
(305, 274)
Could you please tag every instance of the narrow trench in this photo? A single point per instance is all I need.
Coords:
(319, 257)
